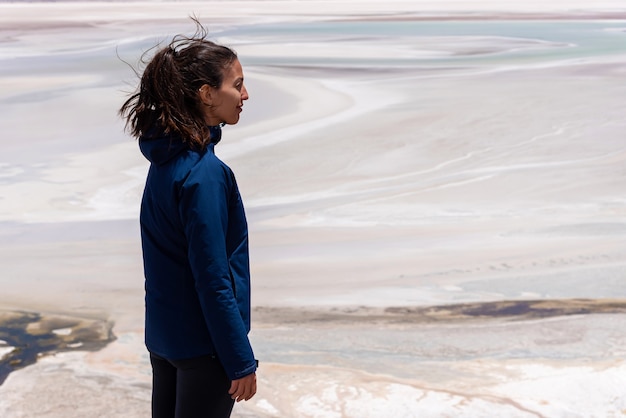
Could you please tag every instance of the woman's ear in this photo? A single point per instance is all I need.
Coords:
(206, 94)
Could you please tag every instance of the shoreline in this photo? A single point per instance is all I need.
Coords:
(333, 372)
(28, 336)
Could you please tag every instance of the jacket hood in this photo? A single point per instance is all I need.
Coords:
(160, 149)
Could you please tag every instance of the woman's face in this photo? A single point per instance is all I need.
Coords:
(224, 104)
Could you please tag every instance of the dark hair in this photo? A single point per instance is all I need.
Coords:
(167, 98)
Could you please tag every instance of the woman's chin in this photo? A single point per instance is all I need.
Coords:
(232, 121)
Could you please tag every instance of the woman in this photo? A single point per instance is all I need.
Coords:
(193, 230)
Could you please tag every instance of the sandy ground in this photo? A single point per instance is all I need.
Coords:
(367, 185)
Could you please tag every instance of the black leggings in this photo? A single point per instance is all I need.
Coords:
(191, 388)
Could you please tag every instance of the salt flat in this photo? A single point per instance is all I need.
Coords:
(388, 157)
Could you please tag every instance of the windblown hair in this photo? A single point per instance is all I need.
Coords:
(167, 98)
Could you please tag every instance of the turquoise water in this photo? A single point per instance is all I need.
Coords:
(565, 40)
(575, 39)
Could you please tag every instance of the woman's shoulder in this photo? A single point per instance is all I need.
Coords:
(206, 165)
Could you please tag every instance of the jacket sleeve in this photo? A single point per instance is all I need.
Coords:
(204, 211)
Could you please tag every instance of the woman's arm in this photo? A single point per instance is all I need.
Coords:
(205, 213)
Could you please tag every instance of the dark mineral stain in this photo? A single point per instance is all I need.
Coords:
(506, 310)
(529, 309)
(32, 335)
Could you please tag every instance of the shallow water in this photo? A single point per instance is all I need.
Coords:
(28, 336)
(409, 343)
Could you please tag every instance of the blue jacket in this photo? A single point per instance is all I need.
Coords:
(195, 249)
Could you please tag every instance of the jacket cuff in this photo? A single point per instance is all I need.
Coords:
(248, 370)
